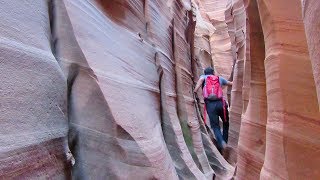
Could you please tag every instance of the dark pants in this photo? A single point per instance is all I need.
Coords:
(215, 110)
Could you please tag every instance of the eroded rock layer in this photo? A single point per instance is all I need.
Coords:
(119, 74)
(112, 82)
(237, 12)
(252, 137)
(311, 13)
(292, 122)
(33, 95)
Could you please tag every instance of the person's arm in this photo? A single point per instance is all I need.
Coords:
(225, 82)
(198, 85)
(229, 83)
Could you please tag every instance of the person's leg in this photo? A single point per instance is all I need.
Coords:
(214, 121)
(225, 119)
(226, 124)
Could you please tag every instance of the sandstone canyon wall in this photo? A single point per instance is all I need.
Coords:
(152, 127)
(251, 145)
(277, 128)
(111, 82)
(82, 55)
(310, 14)
(238, 16)
(292, 122)
(34, 122)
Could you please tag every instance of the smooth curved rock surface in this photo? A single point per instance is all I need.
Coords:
(311, 13)
(153, 57)
(101, 147)
(220, 42)
(33, 96)
(246, 69)
(252, 138)
(293, 123)
(112, 81)
(126, 60)
(239, 23)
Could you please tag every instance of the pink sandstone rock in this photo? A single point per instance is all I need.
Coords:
(94, 49)
(293, 115)
(120, 76)
(142, 58)
(126, 60)
(33, 96)
(252, 136)
(202, 33)
(101, 147)
(219, 41)
(311, 13)
(239, 24)
(246, 66)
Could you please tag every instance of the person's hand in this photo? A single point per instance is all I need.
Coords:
(189, 123)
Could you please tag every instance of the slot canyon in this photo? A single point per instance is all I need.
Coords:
(103, 89)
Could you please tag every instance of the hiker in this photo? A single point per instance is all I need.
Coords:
(215, 105)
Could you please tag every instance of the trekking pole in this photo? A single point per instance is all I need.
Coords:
(200, 116)
(195, 98)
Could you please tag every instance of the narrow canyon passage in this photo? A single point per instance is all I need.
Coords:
(109, 84)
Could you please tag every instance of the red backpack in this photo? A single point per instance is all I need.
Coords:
(212, 91)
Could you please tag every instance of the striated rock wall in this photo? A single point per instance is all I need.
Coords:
(33, 95)
(101, 147)
(112, 82)
(239, 23)
(153, 57)
(147, 58)
(121, 81)
(252, 138)
(277, 128)
(292, 122)
(220, 42)
(310, 14)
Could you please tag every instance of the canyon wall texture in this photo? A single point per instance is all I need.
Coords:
(292, 123)
(138, 63)
(237, 12)
(119, 76)
(310, 13)
(277, 128)
(251, 145)
(95, 89)
(34, 121)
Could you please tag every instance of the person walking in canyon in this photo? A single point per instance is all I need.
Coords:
(215, 105)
